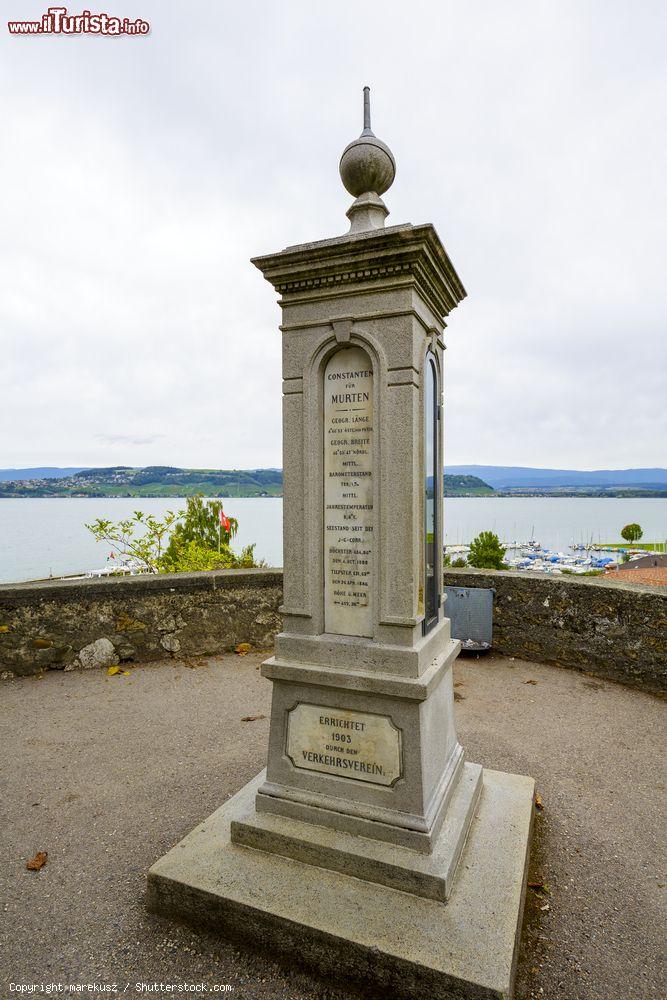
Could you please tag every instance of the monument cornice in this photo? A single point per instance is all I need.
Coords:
(393, 256)
(364, 317)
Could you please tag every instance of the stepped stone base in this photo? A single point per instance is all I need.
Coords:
(393, 941)
(430, 875)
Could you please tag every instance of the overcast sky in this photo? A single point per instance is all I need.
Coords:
(140, 174)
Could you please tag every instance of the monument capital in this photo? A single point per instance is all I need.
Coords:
(406, 254)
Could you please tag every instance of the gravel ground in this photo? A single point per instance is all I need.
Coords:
(107, 773)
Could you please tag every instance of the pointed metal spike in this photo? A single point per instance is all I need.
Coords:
(367, 108)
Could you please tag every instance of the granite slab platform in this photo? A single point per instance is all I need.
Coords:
(342, 926)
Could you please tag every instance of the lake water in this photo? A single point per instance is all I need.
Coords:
(44, 537)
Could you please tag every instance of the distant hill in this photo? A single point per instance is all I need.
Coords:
(168, 480)
(459, 481)
(48, 472)
(152, 481)
(465, 486)
(503, 477)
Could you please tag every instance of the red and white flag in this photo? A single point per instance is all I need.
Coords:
(224, 521)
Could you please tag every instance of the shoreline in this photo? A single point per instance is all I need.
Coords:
(495, 495)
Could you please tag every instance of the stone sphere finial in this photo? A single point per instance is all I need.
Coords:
(367, 164)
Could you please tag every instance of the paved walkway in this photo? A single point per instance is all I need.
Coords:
(107, 773)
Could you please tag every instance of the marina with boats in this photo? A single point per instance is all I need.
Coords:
(530, 556)
(581, 557)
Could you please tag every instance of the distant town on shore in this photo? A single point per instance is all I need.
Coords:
(458, 481)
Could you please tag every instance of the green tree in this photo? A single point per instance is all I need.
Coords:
(200, 523)
(140, 538)
(193, 539)
(201, 540)
(486, 552)
(631, 532)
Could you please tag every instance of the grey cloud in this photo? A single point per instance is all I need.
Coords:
(129, 438)
(140, 175)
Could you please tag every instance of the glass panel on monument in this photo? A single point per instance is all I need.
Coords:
(431, 526)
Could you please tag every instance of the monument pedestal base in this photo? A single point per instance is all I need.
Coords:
(380, 933)
(365, 857)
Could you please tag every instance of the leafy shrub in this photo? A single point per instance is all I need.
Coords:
(200, 523)
(197, 538)
(139, 539)
(189, 557)
(486, 552)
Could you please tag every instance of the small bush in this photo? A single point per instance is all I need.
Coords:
(190, 557)
(197, 538)
(486, 552)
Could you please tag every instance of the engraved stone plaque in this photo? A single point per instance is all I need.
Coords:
(350, 744)
(348, 493)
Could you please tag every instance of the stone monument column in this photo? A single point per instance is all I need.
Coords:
(362, 725)
(387, 846)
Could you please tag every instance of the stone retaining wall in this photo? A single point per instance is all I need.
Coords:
(614, 629)
(86, 623)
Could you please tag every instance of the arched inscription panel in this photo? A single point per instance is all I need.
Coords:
(348, 493)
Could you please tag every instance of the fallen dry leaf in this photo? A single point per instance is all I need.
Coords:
(242, 648)
(538, 802)
(458, 696)
(539, 886)
(252, 718)
(530, 681)
(37, 863)
(459, 684)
